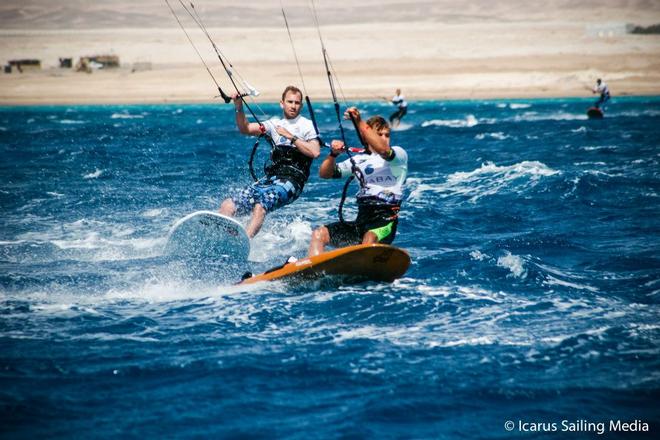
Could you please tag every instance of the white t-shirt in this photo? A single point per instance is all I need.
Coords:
(602, 89)
(298, 126)
(384, 179)
(399, 100)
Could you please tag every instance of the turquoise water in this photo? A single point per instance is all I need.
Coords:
(532, 296)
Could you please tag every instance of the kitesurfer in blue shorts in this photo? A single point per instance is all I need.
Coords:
(384, 169)
(296, 145)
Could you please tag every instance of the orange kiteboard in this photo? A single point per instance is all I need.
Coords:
(365, 262)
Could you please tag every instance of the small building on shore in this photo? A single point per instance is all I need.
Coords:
(25, 65)
(87, 63)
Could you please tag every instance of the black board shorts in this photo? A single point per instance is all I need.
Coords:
(383, 223)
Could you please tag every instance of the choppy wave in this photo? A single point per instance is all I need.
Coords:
(489, 179)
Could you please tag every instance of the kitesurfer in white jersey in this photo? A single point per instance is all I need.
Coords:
(384, 170)
(296, 145)
(604, 92)
(402, 108)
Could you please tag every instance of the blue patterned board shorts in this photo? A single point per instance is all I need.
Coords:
(270, 192)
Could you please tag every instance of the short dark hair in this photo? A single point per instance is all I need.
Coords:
(293, 89)
(377, 123)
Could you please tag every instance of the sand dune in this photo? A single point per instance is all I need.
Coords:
(431, 49)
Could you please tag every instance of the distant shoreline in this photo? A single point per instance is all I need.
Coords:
(325, 101)
(525, 59)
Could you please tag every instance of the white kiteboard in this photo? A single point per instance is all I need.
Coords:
(210, 235)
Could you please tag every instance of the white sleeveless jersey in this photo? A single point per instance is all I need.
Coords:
(384, 179)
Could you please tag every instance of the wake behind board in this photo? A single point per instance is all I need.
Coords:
(210, 235)
(595, 113)
(365, 262)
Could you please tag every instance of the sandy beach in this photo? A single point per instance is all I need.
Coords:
(432, 50)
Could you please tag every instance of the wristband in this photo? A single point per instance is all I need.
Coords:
(294, 139)
(333, 154)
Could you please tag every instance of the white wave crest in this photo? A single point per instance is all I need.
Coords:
(477, 255)
(469, 121)
(93, 175)
(497, 135)
(552, 281)
(514, 263)
(487, 180)
(156, 212)
(599, 147)
(402, 127)
(556, 116)
(126, 116)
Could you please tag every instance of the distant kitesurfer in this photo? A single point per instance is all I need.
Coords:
(402, 108)
(604, 91)
(384, 169)
(296, 145)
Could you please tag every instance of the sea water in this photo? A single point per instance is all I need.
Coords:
(532, 298)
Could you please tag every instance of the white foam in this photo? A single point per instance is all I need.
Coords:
(496, 135)
(93, 175)
(469, 121)
(126, 116)
(112, 248)
(514, 263)
(159, 291)
(556, 116)
(156, 212)
(525, 168)
(478, 340)
(477, 255)
(516, 106)
(10, 242)
(70, 121)
(92, 240)
(402, 127)
(281, 236)
(552, 281)
(599, 147)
